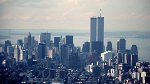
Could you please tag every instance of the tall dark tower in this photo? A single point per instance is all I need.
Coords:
(122, 45)
(109, 46)
(56, 41)
(117, 46)
(29, 40)
(42, 50)
(86, 47)
(127, 57)
(134, 50)
(134, 55)
(69, 40)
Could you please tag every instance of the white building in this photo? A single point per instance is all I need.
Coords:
(106, 55)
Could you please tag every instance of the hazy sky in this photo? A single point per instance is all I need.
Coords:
(120, 15)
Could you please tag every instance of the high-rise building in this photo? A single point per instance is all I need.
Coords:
(64, 54)
(19, 42)
(45, 38)
(97, 47)
(29, 40)
(74, 61)
(93, 28)
(134, 56)
(117, 46)
(127, 57)
(56, 42)
(86, 47)
(122, 45)
(96, 31)
(69, 40)
(10, 50)
(25, 54)
(25, 42)
(100, 30)
(7, 43)
(119, 58)
(134, 50)
(17, 53)
(42, 50)
(106, 56)
(109, 46)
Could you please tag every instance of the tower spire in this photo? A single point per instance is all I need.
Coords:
(100, 12)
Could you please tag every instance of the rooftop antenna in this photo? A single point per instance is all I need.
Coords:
(100, 12)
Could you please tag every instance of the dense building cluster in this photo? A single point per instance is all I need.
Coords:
(59, 61)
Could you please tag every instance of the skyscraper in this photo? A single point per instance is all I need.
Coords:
(122, 45)
(86, 47)
(69, 40)
(134, 50)
(109, 46)
(134, 55)
(93, 27)
(56, 42)
(119, 58)
(117, 46)
(127, 57)
(64, 54)
(7, 43)
(42, 50)
(16, 53)
(97, 47)
(45, 38)
(29, 40)
(100, 29)
(19, 42)
(96, 31)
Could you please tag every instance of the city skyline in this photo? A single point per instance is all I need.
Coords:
(86, 54)
(74, 14)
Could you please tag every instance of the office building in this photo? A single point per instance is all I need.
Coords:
(117, 46)
(42, 50)
(45, 38)
(56, 42)
(100, 29)
(106, 55)
(7, 43)
(93, 28)
(16, 53)
(119, 58)
(97, 46)
(69, 40)
(10, 50)
(122, 45)
(134, 56)
(19, 42)
(109, 46)
(127, 57)
(86, 47)
(29, 40)
(25, 54)
(64, 54)
(134, 50)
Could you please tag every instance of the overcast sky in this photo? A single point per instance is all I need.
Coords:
(120, 15)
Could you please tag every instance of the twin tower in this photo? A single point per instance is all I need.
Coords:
(97, 34)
